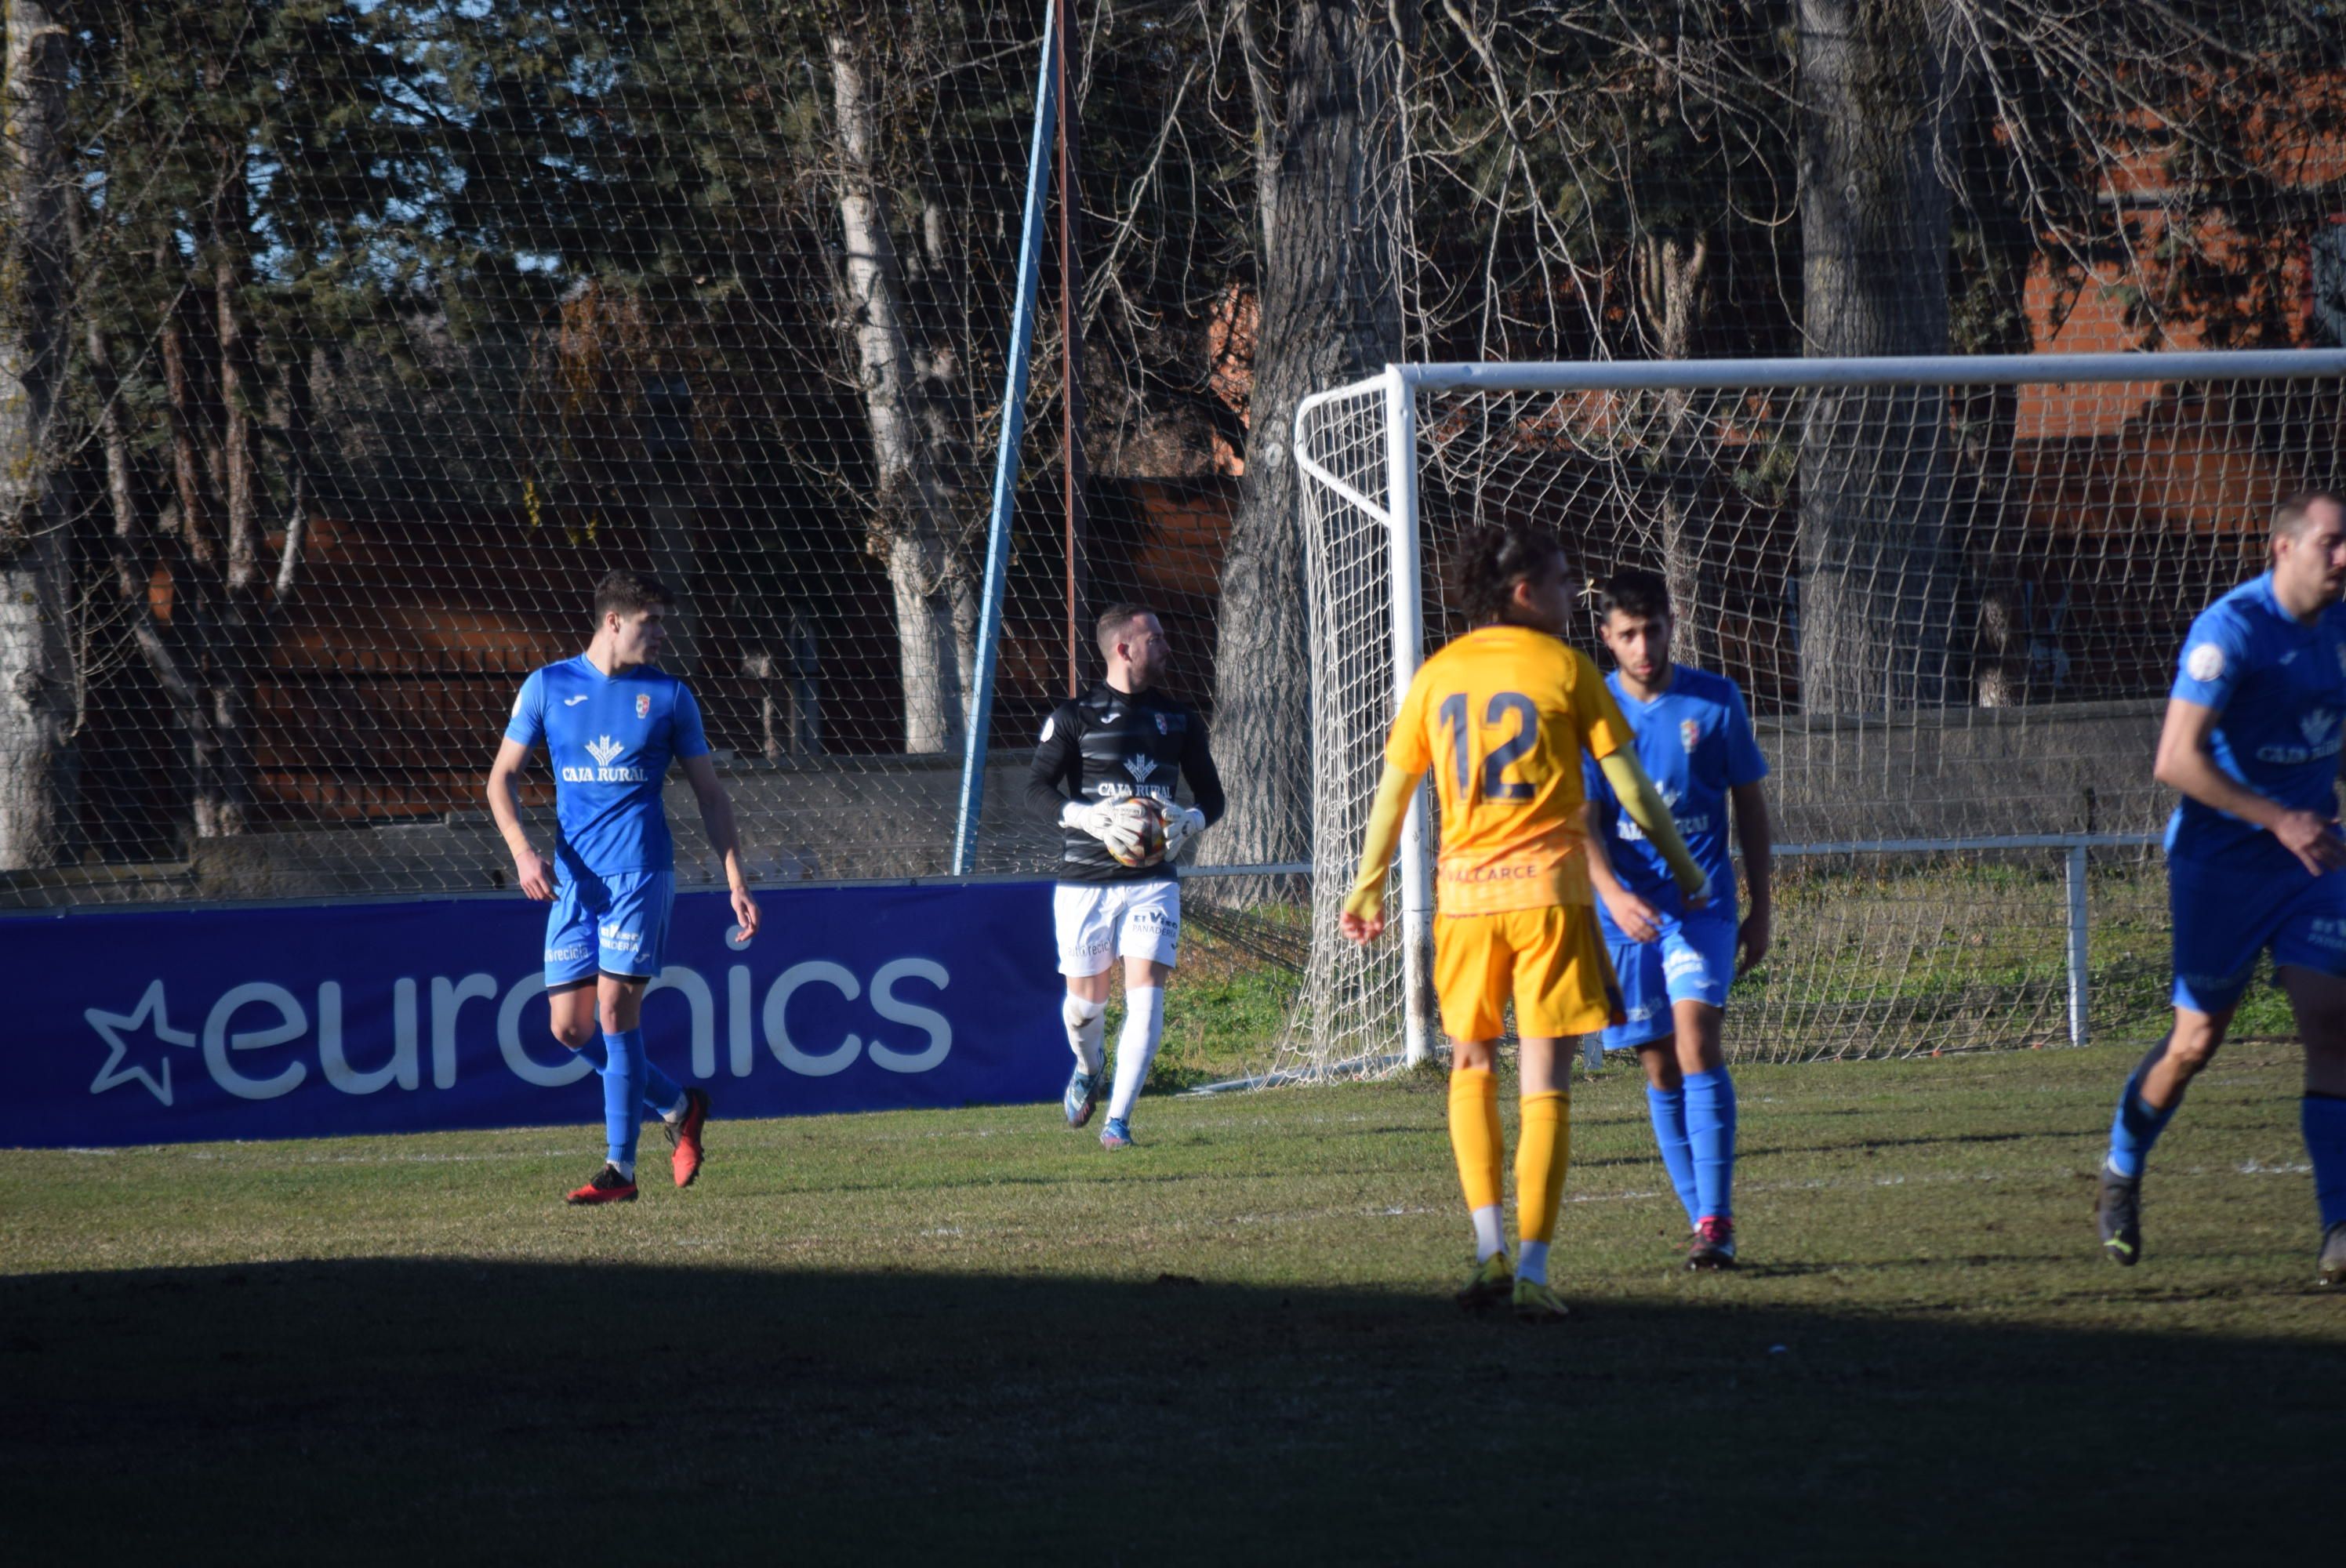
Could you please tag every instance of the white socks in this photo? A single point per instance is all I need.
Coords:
(1086, 1022)
(1532, 1262)
(1136, 1046)
(1490, 1232)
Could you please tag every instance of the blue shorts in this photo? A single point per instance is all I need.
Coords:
(613, 924)
(2223, 920)
(1692, 961)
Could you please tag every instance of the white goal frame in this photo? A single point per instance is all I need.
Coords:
(1401, 385)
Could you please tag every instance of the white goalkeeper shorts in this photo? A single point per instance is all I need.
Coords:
(1099, 923)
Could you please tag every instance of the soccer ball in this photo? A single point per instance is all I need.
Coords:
(1151, 834)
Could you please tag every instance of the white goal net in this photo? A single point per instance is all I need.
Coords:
(1952, 590)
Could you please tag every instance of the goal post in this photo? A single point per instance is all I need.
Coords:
(1951, 588)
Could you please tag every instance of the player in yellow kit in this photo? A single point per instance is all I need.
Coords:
(1503, 715)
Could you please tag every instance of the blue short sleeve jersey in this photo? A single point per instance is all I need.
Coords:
(1694, 742)
(2278, 689)
(610, 739)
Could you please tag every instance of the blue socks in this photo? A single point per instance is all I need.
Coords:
(623, 1094)
(2324, 1118)
(1668, 1109)
(631, 1085)
(2136, 1125)
(1710, 1137)
(1695, 1128)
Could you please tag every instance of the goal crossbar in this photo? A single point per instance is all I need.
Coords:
(1887, 369)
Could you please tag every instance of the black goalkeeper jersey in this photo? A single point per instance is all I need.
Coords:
(1107, 744)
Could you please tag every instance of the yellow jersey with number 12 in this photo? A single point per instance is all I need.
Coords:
(1502, 716)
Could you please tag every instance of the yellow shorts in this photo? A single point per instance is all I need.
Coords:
(1551, 960)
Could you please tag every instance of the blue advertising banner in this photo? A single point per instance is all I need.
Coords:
(200, 1023)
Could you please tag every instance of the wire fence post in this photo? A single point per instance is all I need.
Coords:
(1006, 465)
(2078, 945)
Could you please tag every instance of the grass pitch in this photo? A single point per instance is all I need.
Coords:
(975, 1336)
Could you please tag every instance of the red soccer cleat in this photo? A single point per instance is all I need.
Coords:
(609, 1187)
(1714, 1245)
(683, 1137)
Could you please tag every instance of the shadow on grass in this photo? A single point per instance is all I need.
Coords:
(420, 1409)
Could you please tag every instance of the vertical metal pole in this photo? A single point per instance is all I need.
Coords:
(1005, 464)
(1071, 338)
(1408, 640)
(2078, 945)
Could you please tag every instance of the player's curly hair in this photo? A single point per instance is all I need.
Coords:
(1491, 559)
(629, 593)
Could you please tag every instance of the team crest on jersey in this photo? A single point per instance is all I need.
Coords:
(1689, 732)
(643, 704)
(1164, 724)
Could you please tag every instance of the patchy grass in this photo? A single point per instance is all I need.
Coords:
(974, 1334)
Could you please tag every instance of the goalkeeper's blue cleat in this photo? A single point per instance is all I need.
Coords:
(2117, 1215)
(1116, 1135)
(2332, 1269)
(1492, 1281)
(1083, 1095)
(1538, 1303)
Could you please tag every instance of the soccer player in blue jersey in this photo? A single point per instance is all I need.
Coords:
(612, 721)
(1694, 740)
(2254, 858)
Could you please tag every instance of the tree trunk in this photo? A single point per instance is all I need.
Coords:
(668, 466)
(1670, 276)
(915, 534)
(1877, 586)
(1331, 313)
(195, 588)
(239, 643)
(37, 684)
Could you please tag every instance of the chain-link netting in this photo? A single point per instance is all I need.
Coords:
(345, 343)
(389, 328)
(1955, 612)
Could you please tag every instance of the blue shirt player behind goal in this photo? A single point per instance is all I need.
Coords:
(611, 721)
(1694, 739)
(2254, 860)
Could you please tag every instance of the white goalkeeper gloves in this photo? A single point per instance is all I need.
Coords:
(1180, 826)
(1116, 824)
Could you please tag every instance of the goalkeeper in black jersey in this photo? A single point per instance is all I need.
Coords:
(1105, 771)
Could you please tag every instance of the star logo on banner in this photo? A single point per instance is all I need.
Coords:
(121, 1031)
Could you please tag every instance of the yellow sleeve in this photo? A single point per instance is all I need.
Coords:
(1645, 807)
(1407, 747)
(1394, 791)
(1595, 714)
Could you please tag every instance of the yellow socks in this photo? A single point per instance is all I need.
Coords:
(1474, 1135)
(1542, 1150)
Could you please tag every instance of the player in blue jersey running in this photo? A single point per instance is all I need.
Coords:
(1694, 740)
(611, 721)
(2254, 858)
